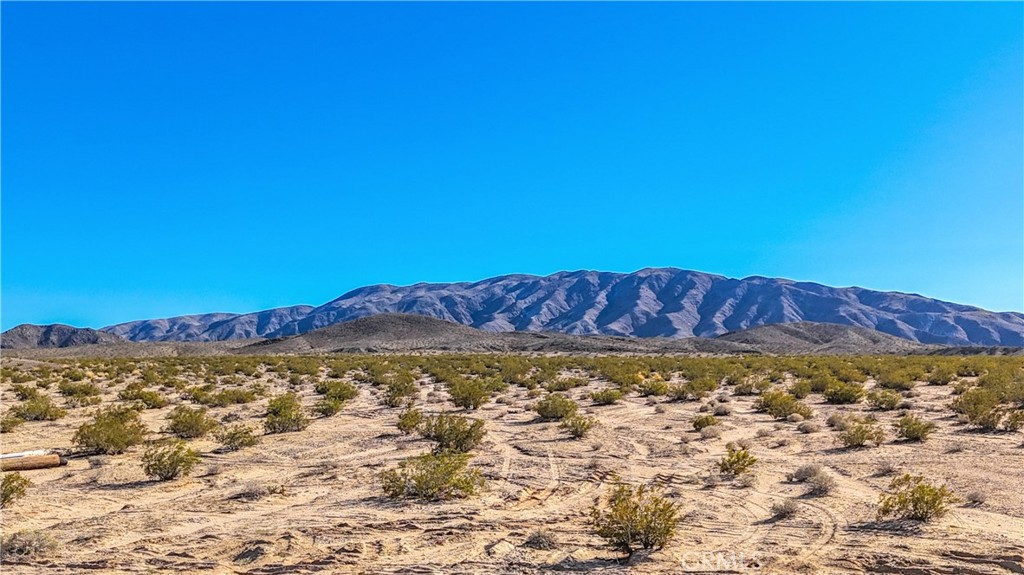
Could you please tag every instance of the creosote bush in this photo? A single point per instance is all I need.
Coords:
(884, 399)
(284, 414)
(189, 423)
(12, 488)
(737, 461)
(146, 397)
(859, 433)
(702, 421)
(39, 408)
(166, 461)
(606, 396)
(844, 393)
(432, 477)
(781, 405)
(577, 425)
(409, 420)
(913, 428)
(785, 508)
(113, 430)
(911, 497)
(636, 518)
(236, 437)
(453, 433)
(555, 406)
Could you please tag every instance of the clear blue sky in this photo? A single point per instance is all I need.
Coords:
(169, 158)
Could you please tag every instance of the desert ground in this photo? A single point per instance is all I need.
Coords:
(311, 501)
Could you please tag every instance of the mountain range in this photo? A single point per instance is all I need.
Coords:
(653, 302)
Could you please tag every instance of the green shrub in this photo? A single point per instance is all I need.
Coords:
(24, 392)
(12, 488)
(223, 398)
(9, 422)
(341, 391)
(170, 460)
(400, 388)
(911, 497)
(433, 477)
(555, 406)
(781, 405)
(409, 420)
(884, 399)
(651, 387)
(702, 421)
(800, 389)
(113, 430)
(189, 423)
(636, 518)
(40, 408)
(858, 433)
(328, 407)
(941, 376)
(453, 433)
(565, 384)
(147, 398)
(469, 393)
(904, 380)
(77, 390)
(737, 461)
(752, 387)
(284, 414)
(606, 396)
(235, 437)
(844, 393)
(694, 389)
(577, 425)
(913, 428)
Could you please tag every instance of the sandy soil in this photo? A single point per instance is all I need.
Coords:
(332, 518)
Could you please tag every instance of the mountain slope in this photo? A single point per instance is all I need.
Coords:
(210, 327)
(821, 338)
(28, 336)
(654, 302)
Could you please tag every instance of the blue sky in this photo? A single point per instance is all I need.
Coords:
(168, 158)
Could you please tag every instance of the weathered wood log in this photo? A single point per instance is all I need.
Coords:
(32, 462)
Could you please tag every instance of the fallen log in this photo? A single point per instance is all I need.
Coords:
(32, 462)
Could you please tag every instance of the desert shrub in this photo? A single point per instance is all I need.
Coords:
(702, 421)
(636, 517)
(222, 398)
(844, 393)
(941, 375)
(911, 497)
(75, 374)
(284, 414)
(328, 407)
(976, 498)
(913, 428)
(189, 423)
(805, 472)
(541, 539)
(800, 389)
(809, 427)
(26, 544)
(113, 430)
(340, 390)
(12, 488)
(1014, 420)
(565, 384)
(24, 392)
(254, 491)
(578, 425)
(738, 460)
(77, 389)
(40, 408)
(555, 406)
(785, 509)
(884, 399)
(781, 405)
(859, 433)
(9, 422)
(795, 418)
(902, 380)
(432, 477)
(751, 387)
(469, 393)
(606, 396)
(238, 436)
(652, 387)
(821, 484)
(712, 432)
(409, 420)
(146, 397)
(169, 460)
(453, 433)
